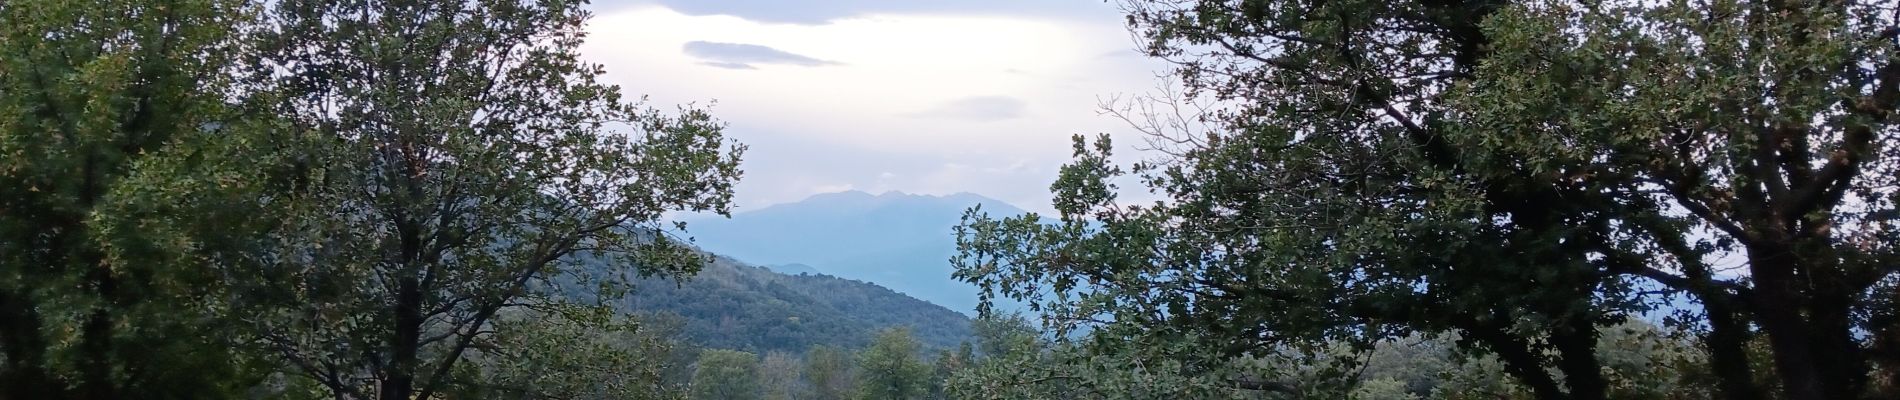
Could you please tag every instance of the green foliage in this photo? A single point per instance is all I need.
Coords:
(781, 375)
(1020, 365)
(731, 305)
(948, 364)
(123, 181)
(434, 198)
(891, 368)
(571, 353)
(726, 375)
(1520, 175)
(1382, 389)
(830, 372)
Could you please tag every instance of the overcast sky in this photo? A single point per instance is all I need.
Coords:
(920, 96)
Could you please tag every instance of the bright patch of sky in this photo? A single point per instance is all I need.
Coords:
(922, 97)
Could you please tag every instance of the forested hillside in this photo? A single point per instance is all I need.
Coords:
(731, 305)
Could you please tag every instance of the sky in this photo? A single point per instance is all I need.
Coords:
(919, 96)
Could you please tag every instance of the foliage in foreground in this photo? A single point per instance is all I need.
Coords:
(198, 197)
(1019, 363)
(1519, 175)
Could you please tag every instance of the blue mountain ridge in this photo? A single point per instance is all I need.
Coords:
(896, 240)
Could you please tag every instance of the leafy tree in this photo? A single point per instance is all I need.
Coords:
(726, 375)
(892, 368)
(779, 374)
(464, 162)
(124, 179)
(1515, 173)
(1382, 389)
(830, 372)
(568, 353)
(998, 335)
(1018, 364)
(947, 365)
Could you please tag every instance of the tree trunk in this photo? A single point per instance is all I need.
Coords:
(1778, 307)
(96, 340)
(1727, 342)
(406, 342)
(22, 377)
(1577, 346)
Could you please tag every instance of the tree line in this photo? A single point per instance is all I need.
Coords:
(894, 366)
(332, 199)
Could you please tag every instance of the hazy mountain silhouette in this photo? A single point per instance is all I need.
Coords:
(896, 240)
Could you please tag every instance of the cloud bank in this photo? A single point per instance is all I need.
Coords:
(746, 56)
(819, 12)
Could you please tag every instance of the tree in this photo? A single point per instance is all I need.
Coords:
(948, 364)
(726, 375)
(892, 369)
(779, 374)
(1519, 174)
(1018, 363)
(458, 160)
(830, 373)
(568, 353)
(123, 181)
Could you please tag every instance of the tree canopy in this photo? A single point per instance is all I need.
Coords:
(1522, 174)
(199, 196)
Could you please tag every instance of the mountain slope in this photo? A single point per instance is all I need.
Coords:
(896, 240)
(736, 306)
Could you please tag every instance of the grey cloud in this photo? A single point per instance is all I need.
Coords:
(781, 168)
(815, 12)
(744, 56)
(727, 65)
(981, 108)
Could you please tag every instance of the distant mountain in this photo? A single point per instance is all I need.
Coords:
(736, 306)
(896, 240)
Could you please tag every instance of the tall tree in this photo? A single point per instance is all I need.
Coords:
(779, 374)
(830, 373)
(122, 182)
(1515, 172)
(726, 375)
(466, 162)
(892, 368)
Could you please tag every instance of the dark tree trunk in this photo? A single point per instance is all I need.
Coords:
(1727, 342)
(1802, 302)
(406, 342)
(1577, 345)
(22, 377)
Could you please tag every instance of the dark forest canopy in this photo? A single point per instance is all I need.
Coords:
(729, 305)
(199, 194)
